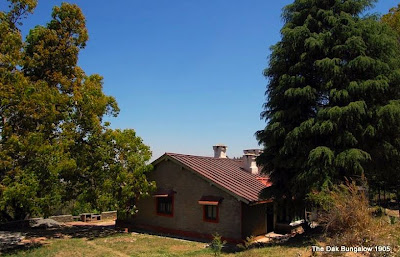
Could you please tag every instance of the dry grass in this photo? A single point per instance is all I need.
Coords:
(348, 215)
(393, 213)
(142, 245)
(349, 221)
(116, 245)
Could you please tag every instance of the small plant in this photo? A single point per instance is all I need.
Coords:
(392, 220)
(379, 212)
(246, 243)
(217, 244)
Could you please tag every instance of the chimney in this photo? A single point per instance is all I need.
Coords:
(249, 159)
(257, 152)
(220, 151)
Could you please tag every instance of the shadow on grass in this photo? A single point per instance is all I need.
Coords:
(23, 247)
(13, 241)
(304, 240)
(172, 236)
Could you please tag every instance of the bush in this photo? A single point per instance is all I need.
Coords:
(246, 243)
(348, 220)
(379, 212)
(392, 220)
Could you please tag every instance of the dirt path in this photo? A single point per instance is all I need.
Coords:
(95, 223)
(106, 249)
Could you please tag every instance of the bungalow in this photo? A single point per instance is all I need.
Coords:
(198, 196)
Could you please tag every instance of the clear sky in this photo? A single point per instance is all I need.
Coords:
(187, 74)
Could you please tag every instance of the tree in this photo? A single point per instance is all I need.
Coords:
(332, 96)
(391, 176)
(393, 19)
(54, 145)
(112, 171)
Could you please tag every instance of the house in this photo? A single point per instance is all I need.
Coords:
(197, 196)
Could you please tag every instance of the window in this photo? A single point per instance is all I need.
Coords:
(164, 202)
(210, 207)
(165, 206)
(210, 213)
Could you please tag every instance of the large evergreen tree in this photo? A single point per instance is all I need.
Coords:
(333, 108)
(55, 149)
(391, 178)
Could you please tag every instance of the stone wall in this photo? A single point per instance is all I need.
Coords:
(109, 215)
(62, 218)
(20, 224)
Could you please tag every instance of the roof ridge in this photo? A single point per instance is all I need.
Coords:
(198, 156)
(214, 158)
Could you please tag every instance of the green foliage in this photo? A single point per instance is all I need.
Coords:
(54, 146)
(392, 220)
(379, 211)
(332, 107)
(393, 19)
(217, 244)
(246, 243)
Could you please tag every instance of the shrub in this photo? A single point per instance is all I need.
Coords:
(379, 212)
(217, 244)
(392, 220)
(246, 243)
(348, 220)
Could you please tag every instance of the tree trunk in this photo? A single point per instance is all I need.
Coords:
(398, 200)
(379, 196)
(6, 216)
(384, 197)
(20, 213)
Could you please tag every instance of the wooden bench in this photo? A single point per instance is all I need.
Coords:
(96, 217)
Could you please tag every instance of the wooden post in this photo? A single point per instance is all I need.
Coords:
(398, 200)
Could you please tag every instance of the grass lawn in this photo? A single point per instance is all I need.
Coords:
(132, 244)
(107, 241)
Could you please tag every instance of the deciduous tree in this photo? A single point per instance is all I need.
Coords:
(393, 19)
(54, 145)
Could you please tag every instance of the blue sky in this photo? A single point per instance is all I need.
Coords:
(186, 74)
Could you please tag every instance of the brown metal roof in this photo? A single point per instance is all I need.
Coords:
(225, 173)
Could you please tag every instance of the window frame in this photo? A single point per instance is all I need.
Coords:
(164, 213)
(205, 209)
